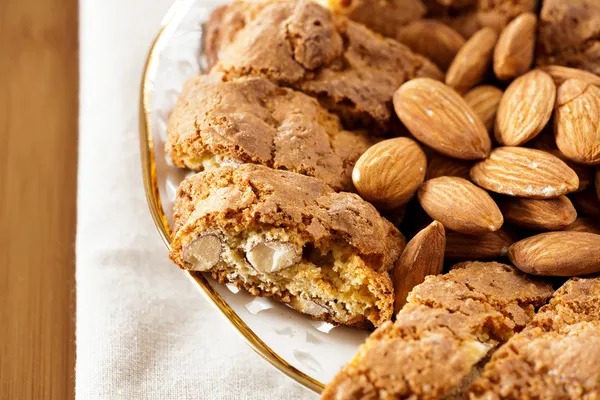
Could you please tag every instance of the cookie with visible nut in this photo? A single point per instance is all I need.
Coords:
(290, 237)
(255, 121)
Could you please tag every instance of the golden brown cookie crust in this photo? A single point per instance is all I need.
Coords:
(254, 121)
(348, 68)
(447, 327)
(556, 357)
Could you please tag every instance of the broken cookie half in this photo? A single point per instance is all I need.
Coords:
(290, 237)
(252, 120)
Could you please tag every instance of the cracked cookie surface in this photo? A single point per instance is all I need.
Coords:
(556, 357)
(338, 246)
(348, 68)
(449, 325)
(252, 120)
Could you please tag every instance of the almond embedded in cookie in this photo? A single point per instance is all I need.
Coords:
(348, 68)
(449, 325)
(255, 121)
(289, 237)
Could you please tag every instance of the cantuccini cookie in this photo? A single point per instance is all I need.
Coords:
(252, 120)
(290, 237)
(556, 357)
(449, 325)
(348, 68)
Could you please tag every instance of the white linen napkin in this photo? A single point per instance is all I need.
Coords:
(143, 331)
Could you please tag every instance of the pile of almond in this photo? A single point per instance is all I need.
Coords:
(502, 174)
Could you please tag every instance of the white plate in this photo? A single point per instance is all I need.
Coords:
(311, 352)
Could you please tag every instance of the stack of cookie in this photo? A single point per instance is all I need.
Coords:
(323, 131)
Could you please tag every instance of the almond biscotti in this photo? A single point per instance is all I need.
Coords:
(348, 68)
(290, 237)
(252, 120)
(449, 325)
(556, 357)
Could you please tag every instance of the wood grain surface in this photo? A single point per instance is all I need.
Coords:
(38, 167)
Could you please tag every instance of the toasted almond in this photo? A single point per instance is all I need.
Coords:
(565, 253)
(389, 173)
(545, 141)
(440, 165)
(437, 116)
(423, 255)
(577, 121)
(539, 214)
(587, 203)
(485, 99)
(518, 171)
(583, 224)
(525, 108)
(434, 39)
(485, 246)
(460, 205)
(561, 74)
(513, 54)
(473, 61)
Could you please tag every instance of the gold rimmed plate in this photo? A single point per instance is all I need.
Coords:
(308, 351)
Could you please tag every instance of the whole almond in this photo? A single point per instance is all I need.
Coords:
(561, 74)
(389, 173)
(437, 116)
(459, 205)
(513, 54)
(485, 99)
(577, 121)
(423, 255)
(484, 246)
(518, 171)
(587, 203)
(583, 224)
(473, 61)
(565, 253)
(434, 39)
(539, 214)
(545, 141)
(440, 165)
(525, 108)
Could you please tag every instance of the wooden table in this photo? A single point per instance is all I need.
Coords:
(38, 168)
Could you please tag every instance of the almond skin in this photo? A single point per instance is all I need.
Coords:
(522, 172)
(433, 39)
(561, 74)
(423, 255)
(485, 99)
(583, 224)
(389, 173)
(437, 116)
(525, 108)
(440, 165)
(545, 141)
(485, 246)
(538, 214)
(597, 182)
(587, 203)
(577, 121)
(459, 205)
(513, 54)
(473, 61)
(566, 253)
